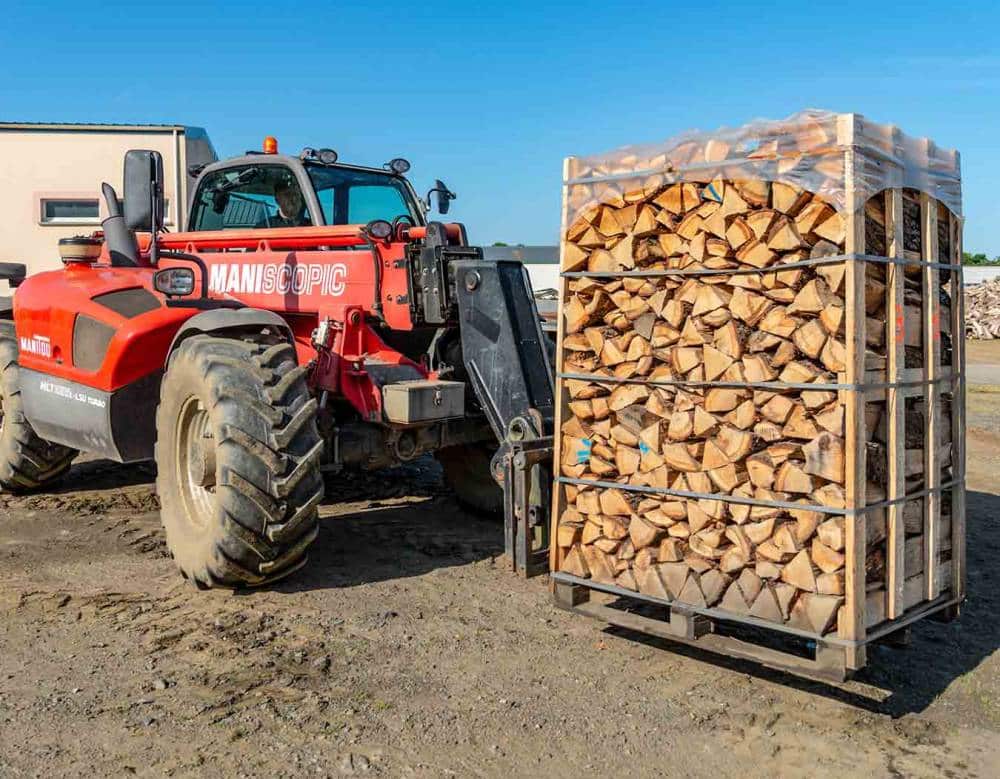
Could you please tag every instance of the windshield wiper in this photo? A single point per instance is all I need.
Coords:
(245, 177)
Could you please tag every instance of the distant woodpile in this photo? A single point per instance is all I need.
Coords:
(982, 310)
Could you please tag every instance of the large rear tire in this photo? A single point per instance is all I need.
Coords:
(467, 471)
(27, 462)
(237, 456)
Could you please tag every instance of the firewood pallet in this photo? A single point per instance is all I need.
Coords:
(761, 405)
(826, 659)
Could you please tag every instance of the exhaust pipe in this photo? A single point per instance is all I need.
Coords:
(122, 246)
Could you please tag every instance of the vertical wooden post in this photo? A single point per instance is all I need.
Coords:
(852, 627)
(558, 493)
(895, 407)
(932, 394)
(957, 411)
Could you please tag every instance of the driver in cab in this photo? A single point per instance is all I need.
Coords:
(291, 207)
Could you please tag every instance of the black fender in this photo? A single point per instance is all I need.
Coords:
(231, 319)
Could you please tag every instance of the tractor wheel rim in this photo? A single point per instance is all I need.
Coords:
(195, 462)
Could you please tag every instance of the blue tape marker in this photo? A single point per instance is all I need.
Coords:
(644, 447)
(583, 455)
(714, 194)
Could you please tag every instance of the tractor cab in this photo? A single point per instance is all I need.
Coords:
(263, 190)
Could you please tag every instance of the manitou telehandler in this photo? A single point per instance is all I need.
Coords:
(310, 319)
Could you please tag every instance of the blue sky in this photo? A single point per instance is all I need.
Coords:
(492, 97)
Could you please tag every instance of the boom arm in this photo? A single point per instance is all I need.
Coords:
(504, 352)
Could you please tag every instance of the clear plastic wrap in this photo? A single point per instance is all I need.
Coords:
(807, 150)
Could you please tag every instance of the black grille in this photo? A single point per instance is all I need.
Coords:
(129, 302)
(90, 342)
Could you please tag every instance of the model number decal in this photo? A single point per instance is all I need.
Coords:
(62, 391)
(35, 344)
(280, 278)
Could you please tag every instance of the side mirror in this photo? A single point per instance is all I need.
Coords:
(143, 190)
(174, 281)
(444, 196)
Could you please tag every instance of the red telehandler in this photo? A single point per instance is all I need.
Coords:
(309, 319)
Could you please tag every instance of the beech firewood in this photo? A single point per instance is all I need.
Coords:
(810, 338)
(832, 534)
(767, 569)
(613, 503)
(626, 580)
(832, 229)
(691, 593)
(679, 458)
(598, 563)
(734, 600)
(759, 532)
(713, 585)
(799, 572)
(815, 612)
(574, 563)
(642, 532)
(812, 215)
(825, 457)
(786, 539)
(650, 583)
(830, 583)
(614, 527)
(791, 478)
(716, 362)
(825, 558)
(720, 399)
(766, 607)
(789, 199)
(568, 534)
(743, 416)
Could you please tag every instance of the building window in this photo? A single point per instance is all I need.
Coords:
(81, 211)
(70, 211)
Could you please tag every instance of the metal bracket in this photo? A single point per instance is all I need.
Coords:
(523, 467)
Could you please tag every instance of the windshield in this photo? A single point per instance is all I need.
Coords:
(250, 196)
(350, 196)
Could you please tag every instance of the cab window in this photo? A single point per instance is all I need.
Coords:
(249, 197)
(351, 196)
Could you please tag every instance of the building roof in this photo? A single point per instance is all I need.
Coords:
(97, 126)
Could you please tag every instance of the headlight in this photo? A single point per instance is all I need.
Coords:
(379, 228)
(174, 281)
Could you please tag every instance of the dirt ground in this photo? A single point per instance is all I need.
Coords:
(406, 649)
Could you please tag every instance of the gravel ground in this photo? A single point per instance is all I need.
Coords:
(406, 649)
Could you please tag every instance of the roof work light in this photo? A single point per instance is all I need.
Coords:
(399, 166)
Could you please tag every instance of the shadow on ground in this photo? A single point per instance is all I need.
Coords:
(407, 524)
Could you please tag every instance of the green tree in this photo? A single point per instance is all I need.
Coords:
(979, 259)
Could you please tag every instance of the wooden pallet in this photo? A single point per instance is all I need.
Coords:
(869, 612)
(827, 659)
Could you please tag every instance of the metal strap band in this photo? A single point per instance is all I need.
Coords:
(833, 259)
(597, 378)
(778, 504)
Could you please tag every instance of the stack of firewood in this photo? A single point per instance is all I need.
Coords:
(663, 344)
(982, 310)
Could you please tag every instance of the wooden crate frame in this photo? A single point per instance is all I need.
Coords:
(905, 601)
